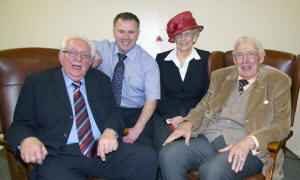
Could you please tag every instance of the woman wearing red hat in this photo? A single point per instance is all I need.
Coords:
(183, 75)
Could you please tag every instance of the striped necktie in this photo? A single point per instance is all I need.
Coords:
(117, 80)
(242, 83)
(84, 131)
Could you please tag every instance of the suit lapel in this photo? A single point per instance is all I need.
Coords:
(259, 89)
(224, 92)
(59, 88)
(193, 66)
(173, 69)
(93, 92)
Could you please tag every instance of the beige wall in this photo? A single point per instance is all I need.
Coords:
(43, 23)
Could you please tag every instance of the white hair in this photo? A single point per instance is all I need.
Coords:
(258, 45)
(65, 40)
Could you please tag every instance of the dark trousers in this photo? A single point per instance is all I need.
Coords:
(130, 161)
(177, 159)
(161, 131)
(130, 116)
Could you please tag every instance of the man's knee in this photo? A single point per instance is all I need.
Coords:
(146, 156)
(215, 169)
(146, 163)
(150, 156)
(168, 154)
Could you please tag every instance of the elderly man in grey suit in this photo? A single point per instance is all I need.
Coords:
(246, 107)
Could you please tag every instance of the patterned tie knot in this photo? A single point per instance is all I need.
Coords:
(76, 84)
(242, 83)
(122, 57)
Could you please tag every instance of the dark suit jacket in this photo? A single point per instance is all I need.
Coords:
(44, 111)
(177, 96)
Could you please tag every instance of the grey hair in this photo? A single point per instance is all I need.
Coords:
(65, 41)
(196, 33)
(257, 43)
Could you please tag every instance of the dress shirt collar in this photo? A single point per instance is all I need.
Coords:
(251, 81)
(130, 55)
(173, 55)
(69, 81)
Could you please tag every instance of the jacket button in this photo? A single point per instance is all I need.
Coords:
(71, 117)
(66, 135)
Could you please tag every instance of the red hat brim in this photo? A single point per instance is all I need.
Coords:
(186, 28)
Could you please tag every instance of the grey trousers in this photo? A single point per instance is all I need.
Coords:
(177, 159)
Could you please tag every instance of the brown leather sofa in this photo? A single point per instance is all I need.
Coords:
(16, 64)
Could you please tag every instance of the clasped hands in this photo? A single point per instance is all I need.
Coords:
(238, 152)
(32, 150)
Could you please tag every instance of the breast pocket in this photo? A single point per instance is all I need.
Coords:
(264, 115)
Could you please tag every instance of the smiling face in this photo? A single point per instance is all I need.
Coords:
(75, 65)
(185, 41)
(247, 59)
(126, 33)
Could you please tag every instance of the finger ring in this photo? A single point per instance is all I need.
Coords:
(241, 158)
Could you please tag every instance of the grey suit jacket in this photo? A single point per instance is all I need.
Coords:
(268, 111)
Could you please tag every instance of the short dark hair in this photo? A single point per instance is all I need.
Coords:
(127, 16)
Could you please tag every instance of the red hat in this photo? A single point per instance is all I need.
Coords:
(180, 23)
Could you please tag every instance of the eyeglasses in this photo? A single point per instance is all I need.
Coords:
(249, 55)
(185, 34)
(74, 53)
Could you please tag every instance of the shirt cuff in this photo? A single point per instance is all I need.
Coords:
(255, 151)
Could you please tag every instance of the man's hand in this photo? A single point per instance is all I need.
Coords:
(185, 130)
(107, 143)
(32, 150)
(132, 136)
(238, 153)
(97, 60)
(176, 120)
(143, 119)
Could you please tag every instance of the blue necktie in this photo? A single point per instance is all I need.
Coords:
(118, 77)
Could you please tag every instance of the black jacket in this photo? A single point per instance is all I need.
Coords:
(177, 96)
(44, 111)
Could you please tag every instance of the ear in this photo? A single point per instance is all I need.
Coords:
(138, 33)
(91, 61)
(60, 57)
(114, 32)
(261, 58)
(195, 38)
(234, 60)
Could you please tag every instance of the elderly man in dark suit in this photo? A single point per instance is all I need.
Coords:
(66, 117)
(246, 107)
